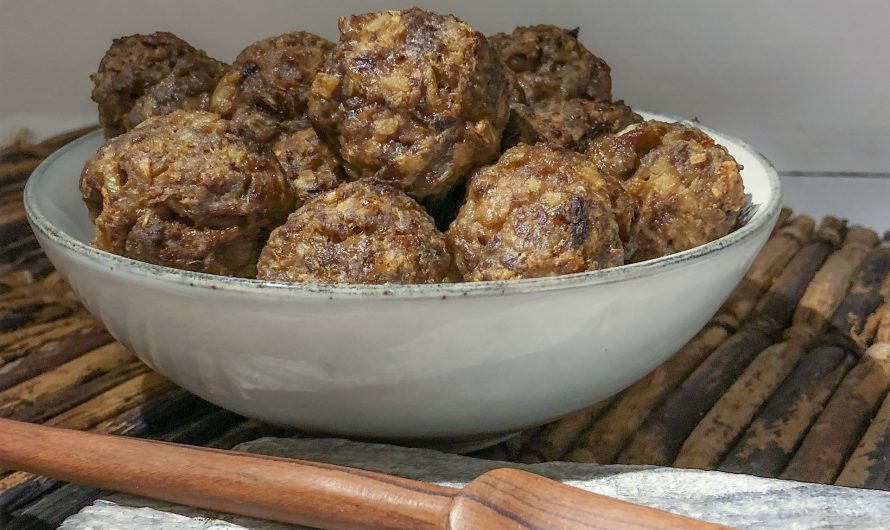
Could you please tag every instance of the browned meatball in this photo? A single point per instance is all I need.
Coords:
(151, 75)
(269, 83)
(688, 189)
(309, 165)
(514, 89)
(540, 211)
(187, 87)
(362, 232)
(184, 191)
(572, 124)
(550, 63)
(411, 97)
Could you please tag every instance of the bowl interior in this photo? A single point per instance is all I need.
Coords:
(54, 206)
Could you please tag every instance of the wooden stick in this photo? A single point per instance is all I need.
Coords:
(48, 357)
(12, 191)
(301, 492)
(60, 504)
(143, 419)
(35, 261)
(66, 376)
(602, 442)
(48, 291)
(53, 508)
(127, 395)
(777, 307)
(831, 283)
(20, 342)
(864, 296)
(556, 439)
(882, 328)
(659, 439)
(111, 403)
(58, 402)
(834, 435)
(20, 169)
(13, 223)
(12, 187)
(784, 215)
(769, 442)
(731, 414)
(49, 288)
(26, 315)
(513, 446)
(197, 425)
(18, 316)
(49, 313)
(662, 434)
(776, 254)
(199, 430)
(23, 148)
(869, 465)
(12, 249)
(21, 141)
(877, 325)
(17, 279)
(608, 435)
(247, 431)
(40, 266)
(46, 147)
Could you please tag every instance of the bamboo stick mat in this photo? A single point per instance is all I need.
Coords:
(789, 379)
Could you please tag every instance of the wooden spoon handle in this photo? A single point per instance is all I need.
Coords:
(515, 499)
(316, 494)
(291, 491)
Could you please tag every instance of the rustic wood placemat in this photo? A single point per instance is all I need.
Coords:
(790, 378)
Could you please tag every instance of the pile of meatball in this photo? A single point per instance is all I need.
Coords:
(414, 150)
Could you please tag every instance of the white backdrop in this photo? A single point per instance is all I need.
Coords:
(804, 81)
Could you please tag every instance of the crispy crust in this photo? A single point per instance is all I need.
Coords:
(309, 165)
(151, 75)
(572, 124)
(551, 64)
(182, 190)
(268, 84)
(362, 232)
(412, 98)
(688, 189)
(540, 211)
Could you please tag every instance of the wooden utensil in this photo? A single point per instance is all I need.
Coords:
(315, 494)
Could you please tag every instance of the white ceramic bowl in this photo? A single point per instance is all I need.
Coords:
(399, 361)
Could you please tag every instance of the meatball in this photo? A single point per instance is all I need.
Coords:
(542, 210)
(688, 189)
(187, 87)
(184, 191)
(572, 124)
(362, 232)
(151, 75)
(514, 89)
(309, 165)
(550, 63)
(268, 83)
(411, 97)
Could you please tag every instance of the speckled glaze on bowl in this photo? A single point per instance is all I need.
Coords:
(399, 361)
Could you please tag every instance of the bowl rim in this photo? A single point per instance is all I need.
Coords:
(762, 218)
